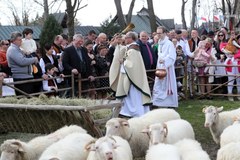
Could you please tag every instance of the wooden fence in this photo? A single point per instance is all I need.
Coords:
(184, 79)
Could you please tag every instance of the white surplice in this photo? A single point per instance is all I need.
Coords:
(165, 90)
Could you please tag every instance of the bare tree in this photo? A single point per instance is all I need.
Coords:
(232, 7)
(152, 16)
(183, 14)
(223, 7)
(46, 6)
(194, 4)
(16, 18)
(129, 15)
(121, 20)
(71, 13)
(46, 10)
(25, 18)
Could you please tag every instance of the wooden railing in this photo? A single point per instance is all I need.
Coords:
(77, 80)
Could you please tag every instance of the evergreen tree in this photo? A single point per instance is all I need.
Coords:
(109, 27)
(50, 29)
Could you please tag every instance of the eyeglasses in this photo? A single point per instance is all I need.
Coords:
(7, 44)
(159, 33)
(220, 35)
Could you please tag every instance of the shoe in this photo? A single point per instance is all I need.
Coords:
(209, 98)
(179, 84)
(203, 97)
(230, 99)
(182, 94)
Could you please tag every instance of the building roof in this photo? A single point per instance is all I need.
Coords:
(61, 18)
(5, 31)
(85, 29)
(168, 23)
(142, 21)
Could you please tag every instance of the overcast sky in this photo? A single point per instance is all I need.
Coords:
(97, 10)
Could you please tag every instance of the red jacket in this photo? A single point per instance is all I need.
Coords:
(3, 59)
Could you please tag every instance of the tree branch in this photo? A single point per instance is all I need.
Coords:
(36, 1)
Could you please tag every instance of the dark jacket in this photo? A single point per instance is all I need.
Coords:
(71, 60)
(145, 55)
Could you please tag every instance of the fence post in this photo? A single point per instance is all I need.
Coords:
(79, 85)
(193, 80)
(1, 82)
(73, 85)
(185, 81)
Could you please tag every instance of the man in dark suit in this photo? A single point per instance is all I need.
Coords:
(75, 60)
(149, 57)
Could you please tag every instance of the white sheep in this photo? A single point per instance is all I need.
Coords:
(229, 151)
(109, 148)
(131, 129)
(217, 121)
(72, 147)
(169, 132)
(163, 151)
(191, 149)
(230, 134)
(14, 149)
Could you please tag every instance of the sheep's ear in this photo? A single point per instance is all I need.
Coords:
(145, 130)
(19, 145)
(90, 145)
(235, 118)
(115, 145)
(204, 108)
(219, 109)
(165, 129)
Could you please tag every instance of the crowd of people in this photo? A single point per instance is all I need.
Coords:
(125, 59)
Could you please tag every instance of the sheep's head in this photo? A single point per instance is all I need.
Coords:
(117, 127)
(103, 148)
(156, 132)
(12, 150)
(211, 114)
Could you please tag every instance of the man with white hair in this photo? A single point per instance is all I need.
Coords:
(128, 79)
(20, 65)
(75, 60)
(101, 39)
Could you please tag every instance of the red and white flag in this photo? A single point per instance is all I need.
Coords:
(216, 18)
(204, 19)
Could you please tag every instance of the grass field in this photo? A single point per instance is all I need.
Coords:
(190, 110)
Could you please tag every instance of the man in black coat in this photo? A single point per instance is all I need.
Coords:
(148, 55)
(75, 60)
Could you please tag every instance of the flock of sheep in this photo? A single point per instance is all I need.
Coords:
(160, 134)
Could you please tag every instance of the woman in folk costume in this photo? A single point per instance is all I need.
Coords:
(233, 59)
(165, 89)
(128, 78)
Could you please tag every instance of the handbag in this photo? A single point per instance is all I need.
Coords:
(199, 63)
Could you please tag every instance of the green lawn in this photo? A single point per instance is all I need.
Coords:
(191, 110)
